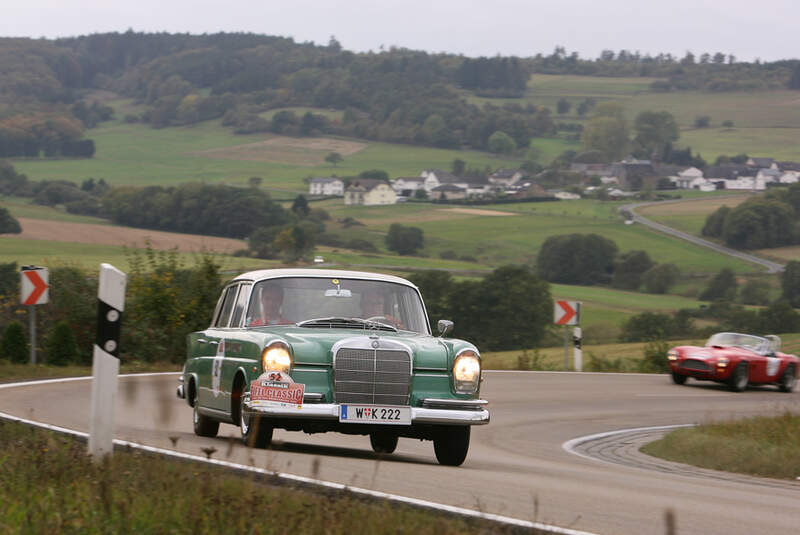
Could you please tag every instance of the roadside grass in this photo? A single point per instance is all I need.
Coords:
(761, 446)
(50, 485)
(90, 256)
(11, 372)
(611, 357)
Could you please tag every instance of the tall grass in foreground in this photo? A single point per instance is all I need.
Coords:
(761, 446)
(49, 485)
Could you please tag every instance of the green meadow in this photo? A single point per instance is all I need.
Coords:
(766, 123)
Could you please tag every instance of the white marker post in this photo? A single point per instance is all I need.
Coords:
(577, 340)
(105, 360)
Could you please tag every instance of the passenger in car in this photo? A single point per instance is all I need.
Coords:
(374, 306)
(268, 307)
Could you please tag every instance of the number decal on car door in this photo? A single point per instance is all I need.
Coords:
(216, 368)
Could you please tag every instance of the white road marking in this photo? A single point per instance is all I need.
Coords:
(287, 477)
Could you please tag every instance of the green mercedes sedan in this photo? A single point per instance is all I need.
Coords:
(320, 350)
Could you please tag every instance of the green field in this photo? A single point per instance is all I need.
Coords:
(23, 207)
(766, 123)
(90, 256)
(140, 155)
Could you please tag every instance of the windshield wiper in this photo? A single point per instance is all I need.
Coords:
(336, 321)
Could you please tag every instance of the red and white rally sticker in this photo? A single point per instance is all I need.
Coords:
(276, 388)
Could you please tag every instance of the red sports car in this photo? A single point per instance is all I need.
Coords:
(736, 360)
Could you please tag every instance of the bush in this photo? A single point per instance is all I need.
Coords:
(655, 357)
(448, 255)
(61, 346)
(13, 345)
(360, 244)
(8, 225)
(404, 240)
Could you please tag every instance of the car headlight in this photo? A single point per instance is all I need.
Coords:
(276, 357)
(672, 355)
(722, 362)
(467, 372)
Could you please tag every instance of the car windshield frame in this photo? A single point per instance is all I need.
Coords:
(750, 342)
(305, 298)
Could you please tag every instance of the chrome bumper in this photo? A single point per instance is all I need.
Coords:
(476, 414)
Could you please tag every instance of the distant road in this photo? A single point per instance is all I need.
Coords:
(772, 267)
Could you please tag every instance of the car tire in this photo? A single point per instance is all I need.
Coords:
(451, 445)
(203, 425)
(678, 378)
(256, 432)
(739, 378)
(383, 442)
(788, 379)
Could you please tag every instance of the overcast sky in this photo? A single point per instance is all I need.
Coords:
(766, 29)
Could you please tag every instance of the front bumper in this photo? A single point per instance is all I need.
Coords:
(469, 412)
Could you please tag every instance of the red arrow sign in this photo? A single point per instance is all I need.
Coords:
(566, 312)
(39, 287)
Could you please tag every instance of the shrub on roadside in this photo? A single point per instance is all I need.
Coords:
(13, 345)
(61, 346)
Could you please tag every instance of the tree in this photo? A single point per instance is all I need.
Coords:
(13, 345)
(755, 292)
(715, 222)
(8, 225)
(254, 181)
(509, 308)
(794, 80)
(300, 206)
(702, 121)
(563, 106)
(790, 283)
(727, 123)
(722, 287)
(404, 240)
(576, 259)
(501, 143)
(333, 158)
(377, 174)
(660, 278)
(630, 270)
(608, 135)
(654, 130)
(458, 167)
(437, 288)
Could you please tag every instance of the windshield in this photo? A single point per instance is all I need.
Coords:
(297, 299)
(745, 341)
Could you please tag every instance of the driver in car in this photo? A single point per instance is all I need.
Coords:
(268, 309)
(373, 307)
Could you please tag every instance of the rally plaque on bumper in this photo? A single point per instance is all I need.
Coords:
(374, 414)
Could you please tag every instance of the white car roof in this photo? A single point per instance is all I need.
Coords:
(320, 273)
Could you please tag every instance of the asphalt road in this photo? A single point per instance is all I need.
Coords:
(516, 465)
(772, 267)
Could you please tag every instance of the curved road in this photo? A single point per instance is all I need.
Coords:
(516, 465)
(772, 267)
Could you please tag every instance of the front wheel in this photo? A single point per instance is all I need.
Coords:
(788, 379)
(678, 379)
(739, 378)
(256, 433)
(383, 442)
(451, 445)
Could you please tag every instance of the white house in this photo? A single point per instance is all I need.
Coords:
(762, 163)
(790, 177)
(326, 186)
(688, 178)
(407, 185)
(506, 177)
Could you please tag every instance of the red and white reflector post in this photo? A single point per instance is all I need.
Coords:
(568, 313)
(105, 359)
(34, 290)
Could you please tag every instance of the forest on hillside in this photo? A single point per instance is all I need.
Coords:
(396, 95)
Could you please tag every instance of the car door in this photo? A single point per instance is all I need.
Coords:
(233, 339)
(211, 380)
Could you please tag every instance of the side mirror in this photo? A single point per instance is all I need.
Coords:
(444, 326)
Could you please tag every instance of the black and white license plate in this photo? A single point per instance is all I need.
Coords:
(374, 414)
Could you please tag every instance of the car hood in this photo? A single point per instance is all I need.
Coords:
(314, 346)
(704, 353)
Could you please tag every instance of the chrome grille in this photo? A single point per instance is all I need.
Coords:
(370, 376)
(693, 364)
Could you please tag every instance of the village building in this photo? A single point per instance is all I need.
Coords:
(331, 186)
(506, 177)
(408, 185)
(369, 192)
(448, 192)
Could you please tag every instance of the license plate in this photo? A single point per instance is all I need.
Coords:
(374, 414)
